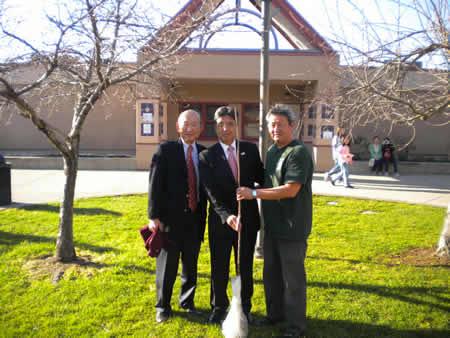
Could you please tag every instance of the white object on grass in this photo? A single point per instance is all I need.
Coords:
(235, 324)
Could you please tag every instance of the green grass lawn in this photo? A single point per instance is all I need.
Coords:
(355, 287)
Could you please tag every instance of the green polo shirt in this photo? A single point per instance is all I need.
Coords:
(289, 218)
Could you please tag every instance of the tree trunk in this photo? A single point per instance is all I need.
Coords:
(65, 249)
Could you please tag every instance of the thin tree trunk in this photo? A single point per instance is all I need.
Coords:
(65, 248)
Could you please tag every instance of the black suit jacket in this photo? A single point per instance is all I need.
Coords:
(168, 190)
(221, 186)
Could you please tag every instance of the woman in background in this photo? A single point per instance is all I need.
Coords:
(376, 155)
(388, 150)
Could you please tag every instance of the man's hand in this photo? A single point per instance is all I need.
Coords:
(234, 222)
(154, 224)
(244, 193)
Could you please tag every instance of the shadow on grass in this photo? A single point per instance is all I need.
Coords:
(334, 259)
(345, 328)
(322, 328)
(10, 239)
(77, 211)
(405, 294)
(137, 268)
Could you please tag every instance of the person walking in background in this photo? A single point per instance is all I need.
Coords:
(218, 167)
(389, 156)
(177, 205)
(345, 159)
(336, 142)
(287, 209)
(376, 155)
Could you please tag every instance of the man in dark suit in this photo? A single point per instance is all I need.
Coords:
(218, 170)
(177, 205)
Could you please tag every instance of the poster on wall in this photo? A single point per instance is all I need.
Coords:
(147, 129)
(147, 117)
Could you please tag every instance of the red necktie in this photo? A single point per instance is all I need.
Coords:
(192, 180)
(232, 162)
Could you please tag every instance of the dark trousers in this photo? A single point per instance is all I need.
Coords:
(220, 249)
(377, 166)
(386, 164)
(285, 281)
(187, 247)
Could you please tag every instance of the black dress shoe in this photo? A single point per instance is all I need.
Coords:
(162, 316)
(249, 316)
(217, 317)
(269, 321)
(192, 310)
(293, 332)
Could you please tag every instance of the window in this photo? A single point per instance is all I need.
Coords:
(250, 121)
(312, 111)
(206, 111)
(249, 118)
(326, 132)
(311, 130)
(209, 125)
(327, 112)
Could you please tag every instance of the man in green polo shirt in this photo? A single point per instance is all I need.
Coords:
(287, 208)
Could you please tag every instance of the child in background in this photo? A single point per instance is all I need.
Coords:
(345, 159)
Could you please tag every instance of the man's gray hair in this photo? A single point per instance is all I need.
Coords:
(189, 111)
(282, 110)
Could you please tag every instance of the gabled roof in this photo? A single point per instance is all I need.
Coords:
(294, 27)
(285, 19)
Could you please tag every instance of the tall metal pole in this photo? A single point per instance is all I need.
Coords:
(263, 103)
(264, 76)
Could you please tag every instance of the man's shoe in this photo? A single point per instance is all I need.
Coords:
(349, 186)
(269, 321)
(332, 182)
(192, 310)
(162, 316)
(293, 332)
(250, 320)
(217, 317)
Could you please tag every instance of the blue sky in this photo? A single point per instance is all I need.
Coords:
(328, 17)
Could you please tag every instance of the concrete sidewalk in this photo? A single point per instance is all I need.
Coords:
(43, 186)
(416, 189)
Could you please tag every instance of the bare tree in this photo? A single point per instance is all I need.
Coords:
(92, 38)
(393, 70)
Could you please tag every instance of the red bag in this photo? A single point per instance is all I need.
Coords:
(387, 154)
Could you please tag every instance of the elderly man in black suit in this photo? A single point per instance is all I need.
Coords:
(177, 205)
(218, 168)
